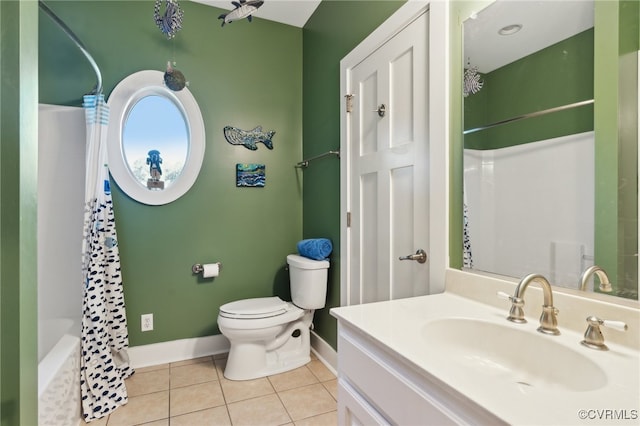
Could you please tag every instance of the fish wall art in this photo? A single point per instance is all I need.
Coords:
(249, 138)
(243, 9)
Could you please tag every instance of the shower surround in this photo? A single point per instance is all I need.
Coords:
(520, 219)
(61, 160)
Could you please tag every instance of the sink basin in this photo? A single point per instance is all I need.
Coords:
(530, 360)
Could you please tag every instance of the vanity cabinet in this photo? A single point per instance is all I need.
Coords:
(378, 386)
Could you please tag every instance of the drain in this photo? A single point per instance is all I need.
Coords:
(296, 333)
(524, 383)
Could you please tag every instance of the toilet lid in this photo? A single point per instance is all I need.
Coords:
(261, 307)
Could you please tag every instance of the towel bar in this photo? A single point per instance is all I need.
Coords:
(305, 163)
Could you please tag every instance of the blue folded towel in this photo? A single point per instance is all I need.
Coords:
(315, 248)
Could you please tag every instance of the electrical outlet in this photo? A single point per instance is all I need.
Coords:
(146, 322)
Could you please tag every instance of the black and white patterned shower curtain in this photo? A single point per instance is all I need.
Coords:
(467, 259)
(105, 339)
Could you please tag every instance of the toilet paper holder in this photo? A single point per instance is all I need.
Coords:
(198, 268)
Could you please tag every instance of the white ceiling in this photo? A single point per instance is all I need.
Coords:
(544, 22)
(290, 12)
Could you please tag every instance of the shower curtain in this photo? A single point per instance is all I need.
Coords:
(467, 259)
(105, 340)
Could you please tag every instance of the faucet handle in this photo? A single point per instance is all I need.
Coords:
(593, 337)
(616, 325)
(516, 314)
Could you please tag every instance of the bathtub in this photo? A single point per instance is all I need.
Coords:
(59, 372)
(61, 152)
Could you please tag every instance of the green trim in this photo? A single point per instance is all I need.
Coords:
(629, 31)
(606, 132)
(18, 215)
(629, 26)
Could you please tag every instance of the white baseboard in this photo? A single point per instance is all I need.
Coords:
(324, 352)
(177, 350)
(183, 349)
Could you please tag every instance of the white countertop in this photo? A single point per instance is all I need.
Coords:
(398, 325)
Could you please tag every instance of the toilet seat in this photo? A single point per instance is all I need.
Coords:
(256, 308)
(257, 314)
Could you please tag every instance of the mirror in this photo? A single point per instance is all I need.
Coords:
(544, 190)
(156, 139)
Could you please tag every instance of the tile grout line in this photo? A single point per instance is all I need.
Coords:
(224, 396)
(226, 402)
(299, 387)
(169, 398)
(285, 408)
(280, 399)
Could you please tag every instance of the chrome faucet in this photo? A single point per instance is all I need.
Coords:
(548, 321)
(605, 285)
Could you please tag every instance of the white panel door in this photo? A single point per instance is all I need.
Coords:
(389, 175)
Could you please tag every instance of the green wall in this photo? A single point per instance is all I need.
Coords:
(18, 194)
(244, 75)
(331, 33)
(558, 75)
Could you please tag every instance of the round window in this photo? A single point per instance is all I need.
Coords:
(156, 139)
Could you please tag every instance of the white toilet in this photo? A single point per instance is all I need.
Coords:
(268, 335)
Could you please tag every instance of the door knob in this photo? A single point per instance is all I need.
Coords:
(382, 109)
(420, 256)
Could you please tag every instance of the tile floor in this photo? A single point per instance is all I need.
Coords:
(195, 393)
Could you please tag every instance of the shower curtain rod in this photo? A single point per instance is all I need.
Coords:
(305, 163)
(72, 36)
(529, 115)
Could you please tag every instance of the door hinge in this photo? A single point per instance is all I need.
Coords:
(348, 219)
(349, 102)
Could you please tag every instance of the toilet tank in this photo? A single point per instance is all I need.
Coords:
(308, 281)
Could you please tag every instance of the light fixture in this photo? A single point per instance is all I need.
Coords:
(510, 29)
